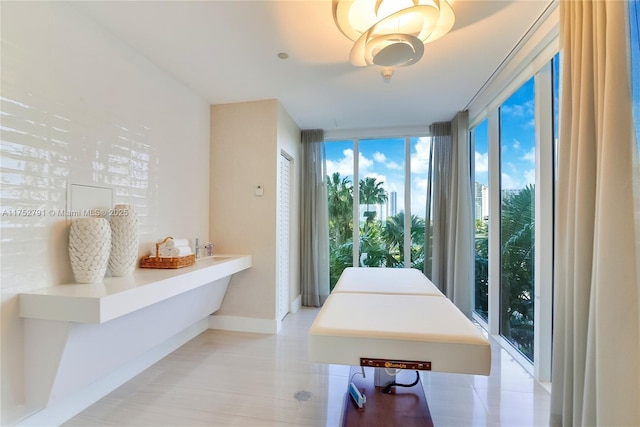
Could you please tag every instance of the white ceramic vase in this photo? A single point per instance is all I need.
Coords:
(124, 241)
(89, 248)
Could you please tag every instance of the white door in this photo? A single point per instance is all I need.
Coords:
(283, 238)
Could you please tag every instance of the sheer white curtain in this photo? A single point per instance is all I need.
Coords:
(596, 342)
(452, 214)
(314, 221)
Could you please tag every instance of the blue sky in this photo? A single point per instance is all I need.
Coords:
(383, 159)
(517, 156)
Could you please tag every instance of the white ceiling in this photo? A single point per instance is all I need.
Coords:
(226, 51)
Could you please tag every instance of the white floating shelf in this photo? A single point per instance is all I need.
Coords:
(118, 296)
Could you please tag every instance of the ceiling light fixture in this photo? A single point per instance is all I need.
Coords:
(391, 33)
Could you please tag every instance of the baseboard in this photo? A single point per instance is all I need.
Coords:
(63, 410)
(243, 324)
(296, 304)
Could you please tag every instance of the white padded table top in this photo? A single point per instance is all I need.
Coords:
(385, 281)
(398, 327)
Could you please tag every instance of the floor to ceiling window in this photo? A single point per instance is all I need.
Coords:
(480, 150)
(517, 218)
(340, 161)
(380, 185)
(381, 177)
(420, 149)
(514, 162)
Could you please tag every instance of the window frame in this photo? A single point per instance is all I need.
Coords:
(545, 179)
(407, 135)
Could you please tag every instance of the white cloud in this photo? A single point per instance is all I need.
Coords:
(420, 184)
(420, 159)
(394, 166)
(516, 144)
(511, 167)
(525, 178)
(530, 176)
(363, 162)
(512, 110)
(518, 110)
(481, 162)
(419, 196)
(418, 203)
(530, 156)
(379, 157)
(344, 166)
(510, 183)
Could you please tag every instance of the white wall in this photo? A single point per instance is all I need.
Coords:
(246, 139)
(79, 106)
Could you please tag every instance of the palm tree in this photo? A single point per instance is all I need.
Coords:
(371, 246)
(371, 193)
(417, 242)
(340, 257)
(517, 235)
(482, 268)
(340, 195)
(393, 236)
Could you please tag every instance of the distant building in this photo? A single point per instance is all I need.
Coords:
(392, 203)
(481, 201)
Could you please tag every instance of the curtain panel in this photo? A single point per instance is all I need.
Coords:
(596, 337)
(314, 221)
(449, 220)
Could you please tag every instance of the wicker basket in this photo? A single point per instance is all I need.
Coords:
(166, 262)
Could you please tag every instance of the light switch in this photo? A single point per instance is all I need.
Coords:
(259, 190)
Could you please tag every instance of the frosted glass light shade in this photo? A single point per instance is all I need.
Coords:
(391, 33)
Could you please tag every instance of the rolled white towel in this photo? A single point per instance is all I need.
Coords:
(161, 247)
(171, 252)
(162, 250)
(173, 243)
(181, 251)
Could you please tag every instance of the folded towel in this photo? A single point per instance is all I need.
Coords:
(172, 243)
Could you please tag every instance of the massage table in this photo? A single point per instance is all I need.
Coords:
(395, 318)
(398, 281)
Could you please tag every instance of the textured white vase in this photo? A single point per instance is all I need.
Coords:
(89, 248)
(124, 241)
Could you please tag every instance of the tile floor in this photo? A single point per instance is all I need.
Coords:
(242, 379)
